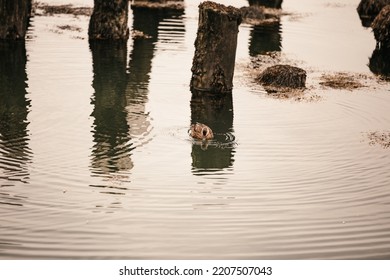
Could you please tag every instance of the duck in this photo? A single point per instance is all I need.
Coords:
(201, 131)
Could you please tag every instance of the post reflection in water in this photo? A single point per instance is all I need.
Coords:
(112, 146)
(380, 61)
(216, 111)
(265, 38)
(14, 151)
(121, 93)
(138, 74)
(148, 21)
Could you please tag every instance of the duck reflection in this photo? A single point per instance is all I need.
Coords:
(111, 152)
(216, 111)
(14, 151)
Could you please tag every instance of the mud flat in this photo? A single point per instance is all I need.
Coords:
(318, 83)
(381, 138)
(40, 8)
(253, 70)
(343, 80)
(158, 4)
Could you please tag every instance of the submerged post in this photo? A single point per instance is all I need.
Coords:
(215, 48)
(109, 20)
(14, 16)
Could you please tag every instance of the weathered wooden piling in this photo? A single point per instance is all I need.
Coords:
(381, 27)
(14, 16)
(285, 76)
(109, 20)
(215, 48)
(369, 9)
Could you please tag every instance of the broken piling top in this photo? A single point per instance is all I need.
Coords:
(109, 20)
(230, 11)
(215, 48)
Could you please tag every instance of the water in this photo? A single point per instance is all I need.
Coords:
(95, 160)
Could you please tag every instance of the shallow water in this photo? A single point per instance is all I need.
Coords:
(95, 160)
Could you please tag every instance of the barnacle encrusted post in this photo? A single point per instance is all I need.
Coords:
(215, 48)
(109, 20)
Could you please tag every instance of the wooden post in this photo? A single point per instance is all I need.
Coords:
(215, 48)
(109, 20)
(14, 15)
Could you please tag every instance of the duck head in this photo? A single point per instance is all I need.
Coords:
(201, 131)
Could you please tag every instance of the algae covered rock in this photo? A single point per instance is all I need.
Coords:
(284, 76)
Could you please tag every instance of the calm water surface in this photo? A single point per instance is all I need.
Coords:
(95, 160)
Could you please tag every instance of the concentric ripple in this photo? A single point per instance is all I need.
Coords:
(96, 161)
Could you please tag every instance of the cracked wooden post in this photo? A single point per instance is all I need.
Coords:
(14, 15)
(215, 48)
(109, 20)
